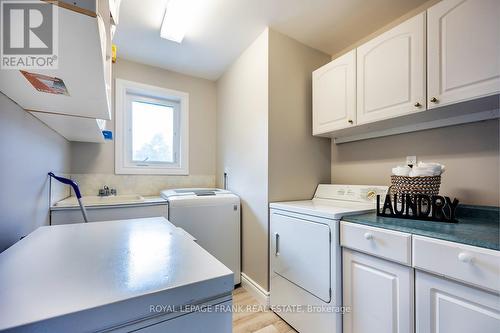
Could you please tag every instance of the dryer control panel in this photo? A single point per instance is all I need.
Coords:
(354, 193)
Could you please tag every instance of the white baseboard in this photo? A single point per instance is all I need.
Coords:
(259, 293)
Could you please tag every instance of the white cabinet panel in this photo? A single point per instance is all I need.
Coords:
(443, 306)
(468, 264)
(380, 294)
(304, 263)
(334, 94)
(463, 50)
(388, 244)
(391, 76)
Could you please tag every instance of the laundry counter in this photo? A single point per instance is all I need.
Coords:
(477, 226)
(117, 275)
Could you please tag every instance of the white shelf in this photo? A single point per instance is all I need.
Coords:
(74, 128)
(480, 109)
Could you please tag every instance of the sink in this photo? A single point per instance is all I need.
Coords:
(94, 200)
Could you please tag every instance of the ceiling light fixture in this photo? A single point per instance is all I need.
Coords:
(175, 21)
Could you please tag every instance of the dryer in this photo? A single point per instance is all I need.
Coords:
(305, 257)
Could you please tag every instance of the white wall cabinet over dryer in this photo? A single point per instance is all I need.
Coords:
(334, 94)
(463, 39)
(443, 56)
(391, 72)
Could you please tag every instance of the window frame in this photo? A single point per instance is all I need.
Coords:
(128, 151)
(124, 92)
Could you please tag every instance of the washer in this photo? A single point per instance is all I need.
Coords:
(305, 257)
(212, 217)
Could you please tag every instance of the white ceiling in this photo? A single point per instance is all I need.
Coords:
(220, 30)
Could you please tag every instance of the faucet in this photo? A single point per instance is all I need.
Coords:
(105, 191)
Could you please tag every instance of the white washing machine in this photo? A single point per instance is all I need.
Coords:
(212, 217)
(305, 257)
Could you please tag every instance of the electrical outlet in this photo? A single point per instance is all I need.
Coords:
(411, 160)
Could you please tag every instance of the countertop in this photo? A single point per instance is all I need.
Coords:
(477, 226)
(108, 273)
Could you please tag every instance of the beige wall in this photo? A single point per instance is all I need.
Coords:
(298, 162)
(29, 150)
(470, 153)
(386, 27)
(242, 124)
(265, 140)
(98, 159)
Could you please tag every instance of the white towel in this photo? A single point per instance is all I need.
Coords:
(401, 170)
(427, 169)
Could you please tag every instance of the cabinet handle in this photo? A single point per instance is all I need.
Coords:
(465, 257)
(350, 121)
(277, 244)
(368, 236)
(434, 100)
(417, 105)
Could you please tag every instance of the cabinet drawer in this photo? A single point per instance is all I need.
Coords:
(392, 245)
(469, 264)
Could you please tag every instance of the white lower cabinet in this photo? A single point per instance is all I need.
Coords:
(445, 287)
(444, 306)
(379, 293)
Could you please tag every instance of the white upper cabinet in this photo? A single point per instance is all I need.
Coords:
(82, 77)
(334, 94)
(391, 76)
(463, 50)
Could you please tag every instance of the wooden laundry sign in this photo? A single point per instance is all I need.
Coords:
(418, 207)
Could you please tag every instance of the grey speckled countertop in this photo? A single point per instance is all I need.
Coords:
(477, 226)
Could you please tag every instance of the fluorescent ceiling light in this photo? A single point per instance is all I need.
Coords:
(175, 21)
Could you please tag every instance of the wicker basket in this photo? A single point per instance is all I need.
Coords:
(428, 185)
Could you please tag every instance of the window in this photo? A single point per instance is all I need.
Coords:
(151, 130)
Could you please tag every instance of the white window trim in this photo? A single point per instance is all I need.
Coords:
(124, 87)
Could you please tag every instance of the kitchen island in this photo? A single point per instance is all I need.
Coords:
(127, 275)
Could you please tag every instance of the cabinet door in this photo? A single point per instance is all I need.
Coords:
(334, 94)
(391, 72)
(443, 306)
(463, 50)
(379, 294)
